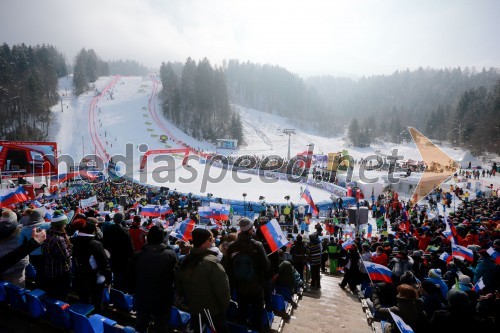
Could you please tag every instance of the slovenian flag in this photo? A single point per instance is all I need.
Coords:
(274, 235)
(306, 195)
(494, 254)
(184, 230)
(347, 244)
(445, 257)
(447, 234)
(215, 211)
(402, 326)
(37, 204)
(461, 251)
(479, 285)
(378, 272)
(13, 196)
(155, 210)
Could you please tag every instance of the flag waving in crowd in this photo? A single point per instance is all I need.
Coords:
(402, 326)
(378, 272)
(215, 211)
(13, 196)
(184, 230)
(461, 251)
(306, 195)
(274, 235)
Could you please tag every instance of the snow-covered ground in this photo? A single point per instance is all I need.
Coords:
(124, 112)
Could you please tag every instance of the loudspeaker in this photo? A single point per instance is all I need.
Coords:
(123, 200)
(363, 215)
(352, 215)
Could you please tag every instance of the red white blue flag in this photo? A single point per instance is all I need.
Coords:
(494, 254)
(155, 210)
(13, 196)
(306, 195)
(461, 251)
(274, 235)
(215, 211)
(184, 230)
(347, 244)
(402, 326)
(445, 257)
(378, 272)
(479, 285)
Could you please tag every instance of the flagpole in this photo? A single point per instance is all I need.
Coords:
(371, 281)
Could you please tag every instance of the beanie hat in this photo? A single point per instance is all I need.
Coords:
(136, 220)
(245, 224)
(118, 217)
(36, 216)
(79, 224)
(155, 235)
(9, 216)
(435, 273)
(59, 218)
(200, 236)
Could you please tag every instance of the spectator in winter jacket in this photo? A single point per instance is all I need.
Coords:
(137, 233)
(409, 307)
(56, 251)
(400, 264)
(352, 274)
(91, 265)
(203, 284)
(435, 277)
(298, 252)
(484, 269)
(152, 281)
(116, 239)
(313, 252)
(380, 257)
(249, 292)
(458, 317)
(9, 239)
(14, 256)
(36, 259)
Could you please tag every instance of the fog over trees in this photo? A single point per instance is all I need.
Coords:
(459, 106)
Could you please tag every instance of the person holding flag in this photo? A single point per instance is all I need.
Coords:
(306, 195)
(484, 270)
(352, 274)
(409, 310)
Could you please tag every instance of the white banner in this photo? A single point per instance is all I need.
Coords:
(84, 203)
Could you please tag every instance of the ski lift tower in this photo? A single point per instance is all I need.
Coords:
(289, 132)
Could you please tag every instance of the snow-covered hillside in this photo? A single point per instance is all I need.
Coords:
(124, 111)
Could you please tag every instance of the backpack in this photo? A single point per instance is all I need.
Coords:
(243, 266)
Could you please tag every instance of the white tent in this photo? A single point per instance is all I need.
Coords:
(467, 158)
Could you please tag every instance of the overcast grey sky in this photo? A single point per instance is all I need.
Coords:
(309, 37)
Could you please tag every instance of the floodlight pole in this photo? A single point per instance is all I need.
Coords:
(289, 132)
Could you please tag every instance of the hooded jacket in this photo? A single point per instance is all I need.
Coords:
(9, 239)
(203, 282)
